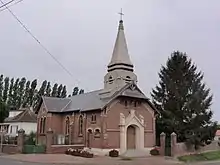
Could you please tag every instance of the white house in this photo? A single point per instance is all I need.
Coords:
(19, 119)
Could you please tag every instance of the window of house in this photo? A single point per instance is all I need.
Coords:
(67, 126)
(16, 129)
(80, 125)
(97, 133)
(11, 129)
(93, 119)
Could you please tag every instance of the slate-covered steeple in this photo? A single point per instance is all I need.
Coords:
(120, 69)
(120, 57)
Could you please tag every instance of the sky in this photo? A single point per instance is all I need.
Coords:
(81, 35)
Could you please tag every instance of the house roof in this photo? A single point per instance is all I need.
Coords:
(25, 116)
(92, 100)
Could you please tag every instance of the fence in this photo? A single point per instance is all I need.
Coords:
(34, 149)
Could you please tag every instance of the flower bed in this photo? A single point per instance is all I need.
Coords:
(79, 152)
(113, 153)
(155, 151)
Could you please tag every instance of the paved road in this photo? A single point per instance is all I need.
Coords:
(4, 161)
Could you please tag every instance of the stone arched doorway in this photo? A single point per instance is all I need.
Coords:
(131, 137)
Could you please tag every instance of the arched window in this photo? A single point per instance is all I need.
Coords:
(80, 125)
(126, 103)
(128, 79)
(41, 125)
(44, 124)
(97, 133)
(110, 80)
(67, 126)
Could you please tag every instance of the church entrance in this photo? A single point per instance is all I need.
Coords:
(131, 137)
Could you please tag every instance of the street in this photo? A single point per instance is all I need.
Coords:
(4, 161)
(8, 161)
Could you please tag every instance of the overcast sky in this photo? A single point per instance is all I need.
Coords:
(81, 34)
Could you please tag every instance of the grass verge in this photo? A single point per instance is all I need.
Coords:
(206, 156)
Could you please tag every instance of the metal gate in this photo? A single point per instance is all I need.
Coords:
(168, 145)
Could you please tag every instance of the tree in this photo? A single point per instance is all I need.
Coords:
(6, 88)
(21, 91)
(1, 87)
(75, 91)
(183, 102)
(59, 90)
(26, 95)
(10, 92)
(15, 94)
(3, 111)
(48, 89)
(32, 92)
(54, 90)
(81, 91)
(64, 92)
(42, 90)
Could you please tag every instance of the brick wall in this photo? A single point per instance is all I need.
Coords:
(9, 149)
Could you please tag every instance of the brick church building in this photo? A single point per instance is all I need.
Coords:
(119, 116)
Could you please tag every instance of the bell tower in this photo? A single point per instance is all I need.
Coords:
(120, 69)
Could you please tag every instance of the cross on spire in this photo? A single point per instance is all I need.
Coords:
(121, 14)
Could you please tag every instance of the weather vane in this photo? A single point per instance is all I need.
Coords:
(121, 14)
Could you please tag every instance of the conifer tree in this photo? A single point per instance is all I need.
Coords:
(26, 95)
(64, 92)
(42, 90)
(81, 91)
(6, 88)
(48, 89)
(75, 91)
(54, 90)
(1, 87)
(59, 90)
(15, 94)
(21, 91)
(184, 101)
(32, 92)
(10, 92)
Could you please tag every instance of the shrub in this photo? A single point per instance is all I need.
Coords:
(79, 152)
(154, 151)
(113, 153)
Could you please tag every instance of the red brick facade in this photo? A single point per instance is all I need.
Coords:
(96, 128)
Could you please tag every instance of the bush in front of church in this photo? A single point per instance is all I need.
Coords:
(155, 151)
(79, 152)
(113, 153)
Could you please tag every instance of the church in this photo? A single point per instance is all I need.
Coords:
(118, 116)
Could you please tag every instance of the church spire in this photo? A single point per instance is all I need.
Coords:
(120, 68)
(120, 57)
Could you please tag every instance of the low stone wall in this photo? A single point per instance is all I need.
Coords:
(60, 149)
(10, 149)
(181, 148)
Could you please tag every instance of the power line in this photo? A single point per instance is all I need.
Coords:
(5, 4)
(42, 46)
(10, 5)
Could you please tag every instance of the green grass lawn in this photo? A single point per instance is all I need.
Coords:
(206, 156)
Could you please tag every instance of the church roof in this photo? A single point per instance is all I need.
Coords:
(83, 102)
(25, 116)
(94, 100)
